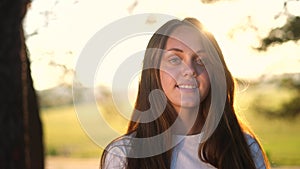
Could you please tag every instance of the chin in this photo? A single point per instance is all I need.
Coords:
(190, 105)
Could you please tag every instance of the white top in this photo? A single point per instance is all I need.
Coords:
(184, 156)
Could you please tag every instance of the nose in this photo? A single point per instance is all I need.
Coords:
(189, 69)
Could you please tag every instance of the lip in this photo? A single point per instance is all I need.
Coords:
(187, 87)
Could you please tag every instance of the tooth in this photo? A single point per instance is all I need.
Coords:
(187, 86)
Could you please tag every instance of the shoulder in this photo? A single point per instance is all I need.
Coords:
(116, 153)
(252, 143)
(256, 151)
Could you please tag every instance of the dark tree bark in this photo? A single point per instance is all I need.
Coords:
(21, 142)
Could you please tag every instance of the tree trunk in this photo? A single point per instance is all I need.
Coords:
(21, 142)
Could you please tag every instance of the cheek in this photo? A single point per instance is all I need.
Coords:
(204, 85)
(166, 80)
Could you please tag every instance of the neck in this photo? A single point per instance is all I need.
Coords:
(190, 122)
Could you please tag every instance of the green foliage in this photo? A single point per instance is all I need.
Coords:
(290, 31)
(279, 136)
(285, 104)
(57, 96)
(51, 151)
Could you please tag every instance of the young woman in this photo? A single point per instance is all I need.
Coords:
(192, 123)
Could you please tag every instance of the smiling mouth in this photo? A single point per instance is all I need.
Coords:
(186, 86)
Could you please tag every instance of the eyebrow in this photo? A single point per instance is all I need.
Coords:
(175, 49)
(179, 50)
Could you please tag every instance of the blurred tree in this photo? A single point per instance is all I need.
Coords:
(209, 1)
(292, 107)
(290, 31)
(21, 143)
(289, 107)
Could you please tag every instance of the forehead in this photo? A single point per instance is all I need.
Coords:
(186, 37)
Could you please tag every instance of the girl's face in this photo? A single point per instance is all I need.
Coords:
(183, 75)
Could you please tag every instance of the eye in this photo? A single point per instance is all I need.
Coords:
(199, 61)
(175, 60)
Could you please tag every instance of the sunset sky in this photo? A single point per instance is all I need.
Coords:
(64, 27)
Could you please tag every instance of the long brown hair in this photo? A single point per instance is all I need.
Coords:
(226, 148)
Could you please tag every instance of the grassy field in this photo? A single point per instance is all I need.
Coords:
(280, 137)
(65, 137)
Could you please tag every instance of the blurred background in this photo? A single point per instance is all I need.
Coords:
(259, 39)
